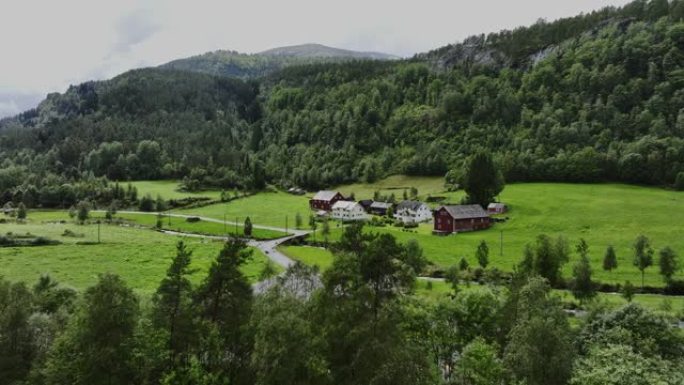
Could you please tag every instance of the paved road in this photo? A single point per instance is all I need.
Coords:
(269, 248)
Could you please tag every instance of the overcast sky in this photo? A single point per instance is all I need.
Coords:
(49, 44)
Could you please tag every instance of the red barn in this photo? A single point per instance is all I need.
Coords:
(458, 218)
(324, 200)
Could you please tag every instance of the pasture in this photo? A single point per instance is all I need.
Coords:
(168, 189)
(276, 209)
(140, 256)
(602, 214)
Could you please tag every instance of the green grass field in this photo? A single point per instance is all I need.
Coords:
(396, 185)
(201, 227)
(602, 214)
(139, 256)
(169, 189)
(269, 209)
(312, 256)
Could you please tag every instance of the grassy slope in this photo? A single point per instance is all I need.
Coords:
(268, 209)
(140, 256)
(313, 256)
(603, 214)
(168, 189)
(201, 227)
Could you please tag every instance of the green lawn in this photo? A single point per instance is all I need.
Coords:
(139, 256)
(169, 189)
(201, 227)
(269, 209)
(602, 214)
(395, 184)
(312, 256)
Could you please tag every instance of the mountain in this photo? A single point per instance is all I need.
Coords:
(245, 66)
(322, 51)
(598, 97)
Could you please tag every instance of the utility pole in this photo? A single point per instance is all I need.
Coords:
(285, 224)
(168, 215)
(98, 231)
(224, 224)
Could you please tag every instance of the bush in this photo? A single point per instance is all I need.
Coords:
(679, 181)
(192, 219)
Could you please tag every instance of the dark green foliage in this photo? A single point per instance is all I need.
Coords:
(16, 350)
(482, 254)
(224, 300)
(540, 350)
(583, 288)
(546, 258)
(172, 309)
(146, 203)
(628, 291)
(247, 228)
(96, 347)
(482, 181)
(21, 211)
(589, 98)
(610, 259)
(646, 332)
(83, 211)
(643, 255)
(667, 261)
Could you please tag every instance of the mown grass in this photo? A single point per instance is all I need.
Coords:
(200, 227)
(602, 214)
(139, 256)
(396, 185)
(312, 256)
(168, 189)
(269, 209)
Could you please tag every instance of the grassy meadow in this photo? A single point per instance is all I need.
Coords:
(139, 256)
(602, 214)
(268, 209)
(169, 189)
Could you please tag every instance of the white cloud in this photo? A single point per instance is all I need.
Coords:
(47, 45)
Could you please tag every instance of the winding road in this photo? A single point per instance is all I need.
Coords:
(269, 247)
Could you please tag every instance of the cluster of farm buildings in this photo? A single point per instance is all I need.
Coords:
(446, 219)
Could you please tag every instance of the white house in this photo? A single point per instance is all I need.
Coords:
(413, 212)
(348, 211)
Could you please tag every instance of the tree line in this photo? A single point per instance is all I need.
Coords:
(355, 323)
(603, 103)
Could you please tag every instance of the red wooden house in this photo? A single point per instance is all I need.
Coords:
(324, 200)
(458, 218)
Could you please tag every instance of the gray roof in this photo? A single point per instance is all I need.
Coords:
(325, 195)
(411, 205)
(466, 211)
(496, 205)
(380, 205)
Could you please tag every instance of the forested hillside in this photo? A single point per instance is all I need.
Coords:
(601, 101)
(249, 66)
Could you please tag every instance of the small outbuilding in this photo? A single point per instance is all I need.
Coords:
(459, 218)
(496, 208)
(380, 208)
(324, 200)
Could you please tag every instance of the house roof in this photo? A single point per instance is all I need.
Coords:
(325, 195)
(411, 205)
(465, 211)
(344, 205)
(380, 205)
(496, 205)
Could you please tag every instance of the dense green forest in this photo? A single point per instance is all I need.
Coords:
(356, 323)
(597, 97)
